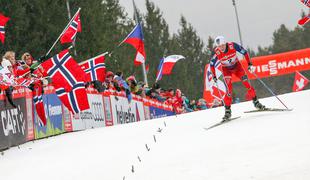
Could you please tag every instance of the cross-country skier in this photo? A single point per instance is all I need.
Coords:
(226, 53)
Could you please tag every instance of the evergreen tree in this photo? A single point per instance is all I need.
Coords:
(188, 74)
(34, 25)
(156, 34)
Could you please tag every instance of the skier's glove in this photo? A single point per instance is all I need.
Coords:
(251, 68)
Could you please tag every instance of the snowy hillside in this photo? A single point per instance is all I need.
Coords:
(262, 146)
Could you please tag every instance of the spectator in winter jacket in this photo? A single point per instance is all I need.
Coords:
(6, 63)
(18, 69)
(186, 104)
(120, 84)
(154, 93)
(133, 85)
(193, 105)
(141, 89)
(108, 83)
(202, 104)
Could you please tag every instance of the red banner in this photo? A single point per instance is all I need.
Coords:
(279, 64)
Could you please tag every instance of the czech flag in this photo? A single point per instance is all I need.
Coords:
(169, 63)
(135, 38)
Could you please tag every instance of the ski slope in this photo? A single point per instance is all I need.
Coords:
(260, 146)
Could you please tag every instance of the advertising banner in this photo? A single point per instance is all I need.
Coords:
(67, 119)
(30, 122)
(108, 111)
(53, 112)
(159, 113)
(124, 112)
(147, 112)
(279, 64)
(91, 118)
(13, 125)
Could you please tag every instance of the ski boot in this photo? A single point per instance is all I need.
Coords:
(227, 114)
(257, 104)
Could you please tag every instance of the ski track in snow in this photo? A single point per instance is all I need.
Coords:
(260, 146)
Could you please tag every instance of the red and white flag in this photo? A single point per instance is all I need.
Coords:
(94, 68)
(68, 78)
(64, 71)
(304, 20)
(3, 21)
(306, 2)
(76, 100)
(25, 82)
(75, 26)
(300, 82)
(218, 90)
(38, 102)
(135, 38)
(169, 63)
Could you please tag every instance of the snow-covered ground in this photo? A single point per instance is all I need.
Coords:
(261, 146)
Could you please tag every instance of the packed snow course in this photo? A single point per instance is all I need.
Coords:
(262, 146)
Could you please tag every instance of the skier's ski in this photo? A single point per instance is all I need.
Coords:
(267, 110)
(222, 122)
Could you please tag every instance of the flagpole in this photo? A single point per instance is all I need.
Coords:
(143, 64)
(48, 52)
(69, 17)
(102, 54)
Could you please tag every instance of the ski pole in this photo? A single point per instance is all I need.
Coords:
(260, 80)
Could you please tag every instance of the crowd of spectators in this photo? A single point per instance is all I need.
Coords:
(170, 96)
(29, 69)
(24, 72)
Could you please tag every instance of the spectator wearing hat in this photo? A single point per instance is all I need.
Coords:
(133, 85)
(108, 83)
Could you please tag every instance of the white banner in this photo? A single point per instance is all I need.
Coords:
(123, 112)
(91, 118)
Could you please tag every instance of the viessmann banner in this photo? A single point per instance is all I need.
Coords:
(279, 64)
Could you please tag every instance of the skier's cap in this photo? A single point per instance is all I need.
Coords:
(219, 40)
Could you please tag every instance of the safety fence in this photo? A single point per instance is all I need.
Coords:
(20, 125)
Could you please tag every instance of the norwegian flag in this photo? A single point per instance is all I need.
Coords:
(218, 90)
(94, 68)
(23, 82)
(38, 102)
(300, 82)
(64, 71)
(70, 33)
(76, 100)
(3, 21)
